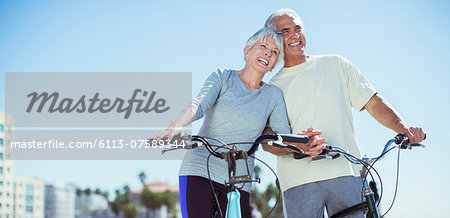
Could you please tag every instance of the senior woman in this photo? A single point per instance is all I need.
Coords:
(236, 106)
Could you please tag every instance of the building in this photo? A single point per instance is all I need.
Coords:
(28, 198)
(60, 201)
(88, 202)
(19, 197)
(6, 173)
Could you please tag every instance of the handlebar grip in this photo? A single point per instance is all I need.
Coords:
(403, 141)
(300, 156)
(294, 138)
(293, 148)
(192, 146)
(416, 145)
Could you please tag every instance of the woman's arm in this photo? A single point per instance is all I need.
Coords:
(199, 106)
(185, 118)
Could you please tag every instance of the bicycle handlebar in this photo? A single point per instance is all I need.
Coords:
(279, 143)
(400, 139)
(280, 138)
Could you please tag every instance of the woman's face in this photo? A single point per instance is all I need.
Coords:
(262, 56)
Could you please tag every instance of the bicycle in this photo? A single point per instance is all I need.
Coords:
(233, 209)
(372, 201)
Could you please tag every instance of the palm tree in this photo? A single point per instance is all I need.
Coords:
(126, 188)
(105, 195)
(79, 192)
(272, 193)
(116, 205)
(87, 191)
(255, 195)
(149, 200)
(168, 198)
(142, 178)
(130, 211)
(145, 200)
(126, 194)
(257, 170)
(98, 191)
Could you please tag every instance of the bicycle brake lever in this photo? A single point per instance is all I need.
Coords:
(169, 149)
(410, 146)
(279, 143)
(326, 154)
(191, 146)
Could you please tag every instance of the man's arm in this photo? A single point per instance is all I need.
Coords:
(313, 148)
(387, 116)
(272, 149)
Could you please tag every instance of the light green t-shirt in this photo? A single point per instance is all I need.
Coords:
(320, 94)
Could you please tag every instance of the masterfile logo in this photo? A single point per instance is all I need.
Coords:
(94, 104)
(105, 115)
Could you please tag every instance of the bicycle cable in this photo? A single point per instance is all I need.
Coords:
(396, 183)
(212, 187)
(365, 165)
(370, 168)
(209, 174)
(225, 146)
(381, 181)
(277, 184)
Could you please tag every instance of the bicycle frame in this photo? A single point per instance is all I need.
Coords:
(234, 205)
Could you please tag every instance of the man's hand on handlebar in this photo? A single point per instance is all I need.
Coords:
(315, 145)
(415, 134)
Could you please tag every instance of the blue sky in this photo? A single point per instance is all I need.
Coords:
(400, 46)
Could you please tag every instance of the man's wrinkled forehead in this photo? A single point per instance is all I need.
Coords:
(286, 21)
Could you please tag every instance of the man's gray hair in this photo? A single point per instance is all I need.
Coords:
(262, 35)
(283, 12)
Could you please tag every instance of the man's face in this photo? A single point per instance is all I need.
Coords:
(293, 35)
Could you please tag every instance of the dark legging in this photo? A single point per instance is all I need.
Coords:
(197, 199)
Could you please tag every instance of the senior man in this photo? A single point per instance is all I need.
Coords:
(320, 91)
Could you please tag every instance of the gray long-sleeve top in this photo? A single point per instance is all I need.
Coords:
(232, 113)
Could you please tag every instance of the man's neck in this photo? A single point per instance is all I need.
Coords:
(290, 61)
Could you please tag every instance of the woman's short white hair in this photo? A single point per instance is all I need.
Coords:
(262, 35)
(283, 12)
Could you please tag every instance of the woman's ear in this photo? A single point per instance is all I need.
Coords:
(246, 51)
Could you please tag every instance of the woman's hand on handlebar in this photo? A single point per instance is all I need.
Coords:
(169, 133)
(176, 127)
